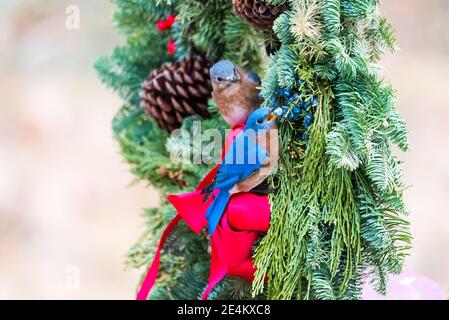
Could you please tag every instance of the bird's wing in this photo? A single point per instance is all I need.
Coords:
(267, 169)
(255, 179)
(243, 158)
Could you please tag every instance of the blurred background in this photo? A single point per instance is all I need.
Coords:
(67, 217)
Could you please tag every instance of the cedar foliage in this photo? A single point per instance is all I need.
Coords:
(342, 219)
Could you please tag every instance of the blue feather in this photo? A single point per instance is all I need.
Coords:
(216, 210)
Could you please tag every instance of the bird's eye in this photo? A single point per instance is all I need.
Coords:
(220, 79)
(260, 120)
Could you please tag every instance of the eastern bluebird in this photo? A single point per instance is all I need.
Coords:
(244, 159)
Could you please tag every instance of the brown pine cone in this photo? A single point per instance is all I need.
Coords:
(176, 91)
(258, 13)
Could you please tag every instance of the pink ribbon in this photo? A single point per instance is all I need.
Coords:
(246, 216)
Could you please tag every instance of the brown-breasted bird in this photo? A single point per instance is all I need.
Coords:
(236, 93)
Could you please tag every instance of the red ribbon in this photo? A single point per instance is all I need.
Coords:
(246, 216)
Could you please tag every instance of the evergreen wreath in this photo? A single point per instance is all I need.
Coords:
(338, 218)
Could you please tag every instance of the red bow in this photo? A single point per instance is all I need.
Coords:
(246, 216)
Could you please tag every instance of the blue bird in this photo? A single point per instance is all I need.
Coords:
(245, 157)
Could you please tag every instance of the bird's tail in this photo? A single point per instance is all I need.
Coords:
(216, 209)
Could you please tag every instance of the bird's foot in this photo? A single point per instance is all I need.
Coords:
(264, 191)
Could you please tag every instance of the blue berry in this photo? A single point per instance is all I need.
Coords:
(273, 103)
(278, 112)
(284, 92)
(306, 105)
(260, 96)
(304, 137)
(296, 117)
(308, 119)
(314, 102)
(289, 100)
(292, 99)
(296, 110)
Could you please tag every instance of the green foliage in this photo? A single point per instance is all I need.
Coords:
(331, 18)
(338, 213)
(211, 28)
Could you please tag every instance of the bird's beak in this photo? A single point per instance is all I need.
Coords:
(271, 116)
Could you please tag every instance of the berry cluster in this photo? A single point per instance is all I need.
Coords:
(163, 25)
(293, 106)
(166, 25)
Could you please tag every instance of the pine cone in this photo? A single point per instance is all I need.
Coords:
(176, 91)
(258, 13)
